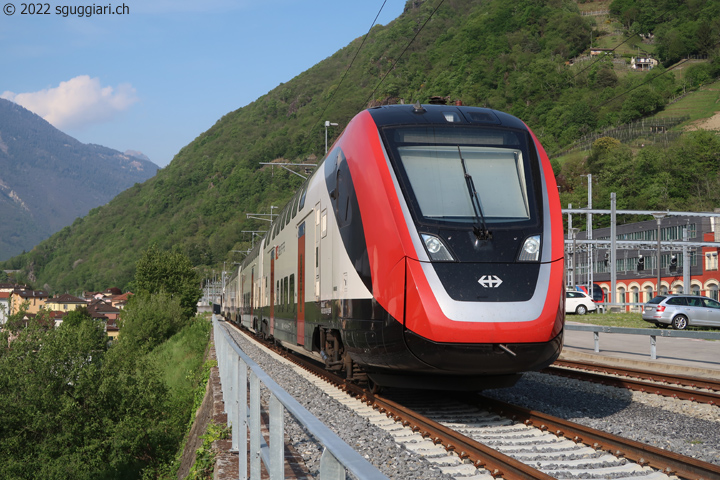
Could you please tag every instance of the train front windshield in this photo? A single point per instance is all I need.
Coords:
(432, 163)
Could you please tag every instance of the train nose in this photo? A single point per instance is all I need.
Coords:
(483, 358)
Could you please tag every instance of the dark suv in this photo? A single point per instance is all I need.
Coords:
(681, 311)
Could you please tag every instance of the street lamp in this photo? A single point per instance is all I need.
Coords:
(328, 124)
(658, 216)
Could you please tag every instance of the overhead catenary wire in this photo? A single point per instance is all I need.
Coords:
(327, 104)
(403, 52)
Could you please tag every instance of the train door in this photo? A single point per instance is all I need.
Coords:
(326, 260)
(252, 294)
(301, 285)
(317, 252)
(272, 290)
(242, 303)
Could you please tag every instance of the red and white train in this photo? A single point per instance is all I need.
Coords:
(426, 250)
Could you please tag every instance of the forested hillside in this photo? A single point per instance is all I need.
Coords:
(528, 57)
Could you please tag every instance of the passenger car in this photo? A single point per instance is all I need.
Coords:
(579, 302)
(682, 311)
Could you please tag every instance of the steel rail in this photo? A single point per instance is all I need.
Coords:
(684, 380)
(500, 465)
(482, 456)
(578, 371)
(668, 462)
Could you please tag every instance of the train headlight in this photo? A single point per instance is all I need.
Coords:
(530, 250)
(436, 248)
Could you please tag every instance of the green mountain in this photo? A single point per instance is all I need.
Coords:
(48, 179)
(528, 57)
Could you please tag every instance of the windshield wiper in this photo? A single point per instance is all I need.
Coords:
(479, 228)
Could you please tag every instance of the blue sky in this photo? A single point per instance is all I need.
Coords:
(155, 78)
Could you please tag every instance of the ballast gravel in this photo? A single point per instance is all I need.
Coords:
(373, 443)
(684, 427)
(680, 426)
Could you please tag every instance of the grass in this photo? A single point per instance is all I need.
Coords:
(701, 104)
(628, 320)
(181, 357)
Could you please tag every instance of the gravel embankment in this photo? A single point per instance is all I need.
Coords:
(680, 426)
(376, 445)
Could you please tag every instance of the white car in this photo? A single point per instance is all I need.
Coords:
(579, 302)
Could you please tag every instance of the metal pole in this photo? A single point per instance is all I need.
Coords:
(574, 236)
(571, 270)
(328, 124)
(589, 233)
(686, 263)
(613, 241)
(658, 216)
(658, 256)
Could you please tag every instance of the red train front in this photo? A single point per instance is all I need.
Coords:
(446, 262)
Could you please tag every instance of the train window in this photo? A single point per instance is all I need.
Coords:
(285, 292)
(291, 291)
(323, 223)
(296, 200)
(432, 162)
(303, 195)
(437, 172)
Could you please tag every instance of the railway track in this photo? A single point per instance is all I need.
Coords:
(491, 439)
(696, 389)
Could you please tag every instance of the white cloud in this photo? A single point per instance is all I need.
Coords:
(79, 102)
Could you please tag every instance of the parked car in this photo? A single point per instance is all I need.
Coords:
(682, 311)
(579, 302)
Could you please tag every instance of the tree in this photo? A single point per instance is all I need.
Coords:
(170, 272)
(74, 408)
(149, 320)
(640, 103)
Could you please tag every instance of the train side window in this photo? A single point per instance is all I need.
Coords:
(286, 292)
(296, 200)
(291, 291)
(323, 225)
(303, 195)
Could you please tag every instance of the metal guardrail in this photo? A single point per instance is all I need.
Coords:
(233, 364)
(653, 333)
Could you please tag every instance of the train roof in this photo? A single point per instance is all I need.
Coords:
(388, 115)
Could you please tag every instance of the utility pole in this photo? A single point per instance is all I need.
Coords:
(686, 263)
(589, 236)
(658, 217)
(613, 245)
(571, 271)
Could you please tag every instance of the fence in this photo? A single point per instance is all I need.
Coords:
(233, 364)
(653, 333)
(654, 130)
